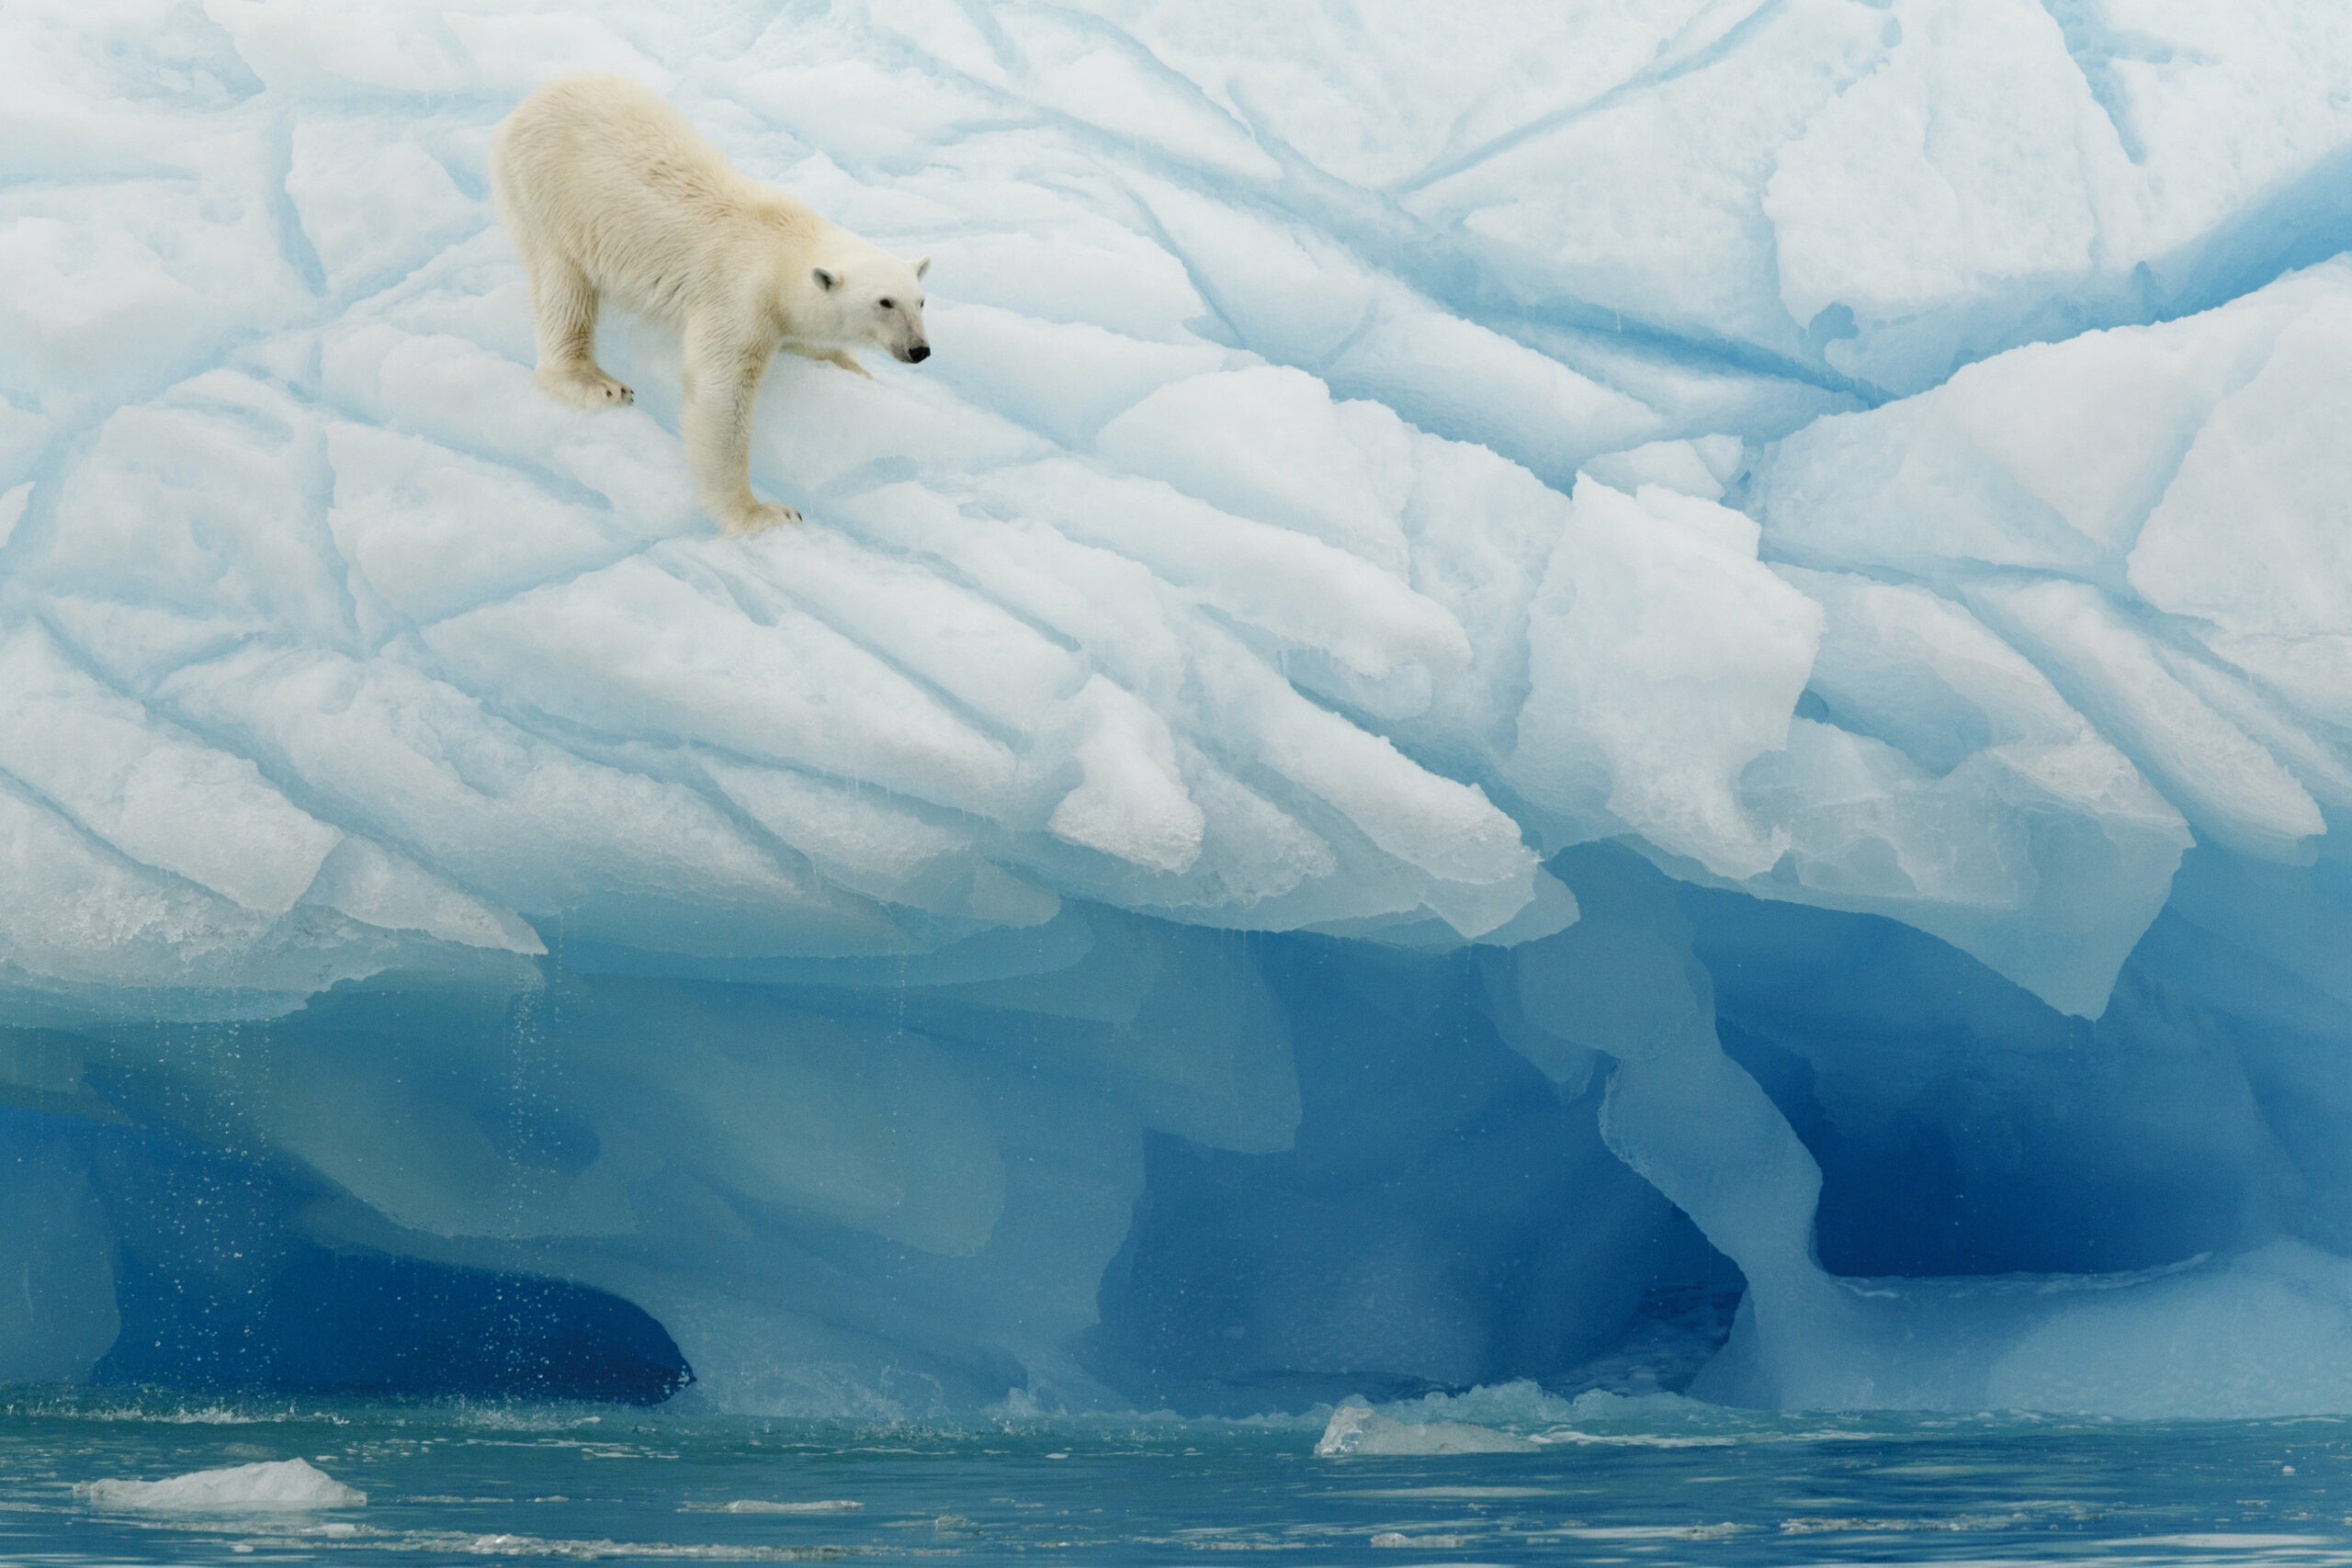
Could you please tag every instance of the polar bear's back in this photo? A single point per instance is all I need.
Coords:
(601, 172)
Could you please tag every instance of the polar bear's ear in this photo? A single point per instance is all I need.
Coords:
(827, 278)
(922, 267)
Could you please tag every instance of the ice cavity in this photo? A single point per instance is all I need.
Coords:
(280, 1484)
(2258, 1332)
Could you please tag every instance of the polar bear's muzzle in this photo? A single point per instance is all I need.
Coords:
(914, 354)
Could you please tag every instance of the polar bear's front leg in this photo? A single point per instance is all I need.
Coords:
(720, 380)
(563, 309)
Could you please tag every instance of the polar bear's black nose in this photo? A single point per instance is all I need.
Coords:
(920, 353)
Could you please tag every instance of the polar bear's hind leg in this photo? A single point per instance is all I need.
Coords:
(563, 303)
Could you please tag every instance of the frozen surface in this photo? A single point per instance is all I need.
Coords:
(284, 1484)
(1426, 751)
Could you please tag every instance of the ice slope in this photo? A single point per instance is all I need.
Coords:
(1877, 457)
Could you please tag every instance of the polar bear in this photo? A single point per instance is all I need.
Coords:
(606, 191)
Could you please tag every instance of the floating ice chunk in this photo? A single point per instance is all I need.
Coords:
(286, 1484)
(1357, 1428)
(1664, 659)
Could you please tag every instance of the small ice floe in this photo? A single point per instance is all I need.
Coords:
(1355, 1428)
(761, 1505)
(286, 1484)
(1433, 1542)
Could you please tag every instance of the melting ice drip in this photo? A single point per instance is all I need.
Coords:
(917, 954)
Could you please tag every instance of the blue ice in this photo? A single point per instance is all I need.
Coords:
(1635, 696)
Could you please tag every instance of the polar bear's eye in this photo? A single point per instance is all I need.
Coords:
(887, 304)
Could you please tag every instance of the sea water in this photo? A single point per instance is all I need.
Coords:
(1659, 1482)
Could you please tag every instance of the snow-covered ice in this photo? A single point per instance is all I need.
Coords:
(276, 1485)
(1781, 571)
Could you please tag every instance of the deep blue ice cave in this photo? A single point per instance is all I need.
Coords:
(1553, 702)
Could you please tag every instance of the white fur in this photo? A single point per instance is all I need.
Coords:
(607, 189)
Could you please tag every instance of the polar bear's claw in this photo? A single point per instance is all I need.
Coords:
(587, 389)
(765, 514)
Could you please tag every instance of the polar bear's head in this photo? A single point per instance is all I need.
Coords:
(872, 297)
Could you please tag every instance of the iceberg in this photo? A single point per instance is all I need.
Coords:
(1652, 699)
(282, 1484)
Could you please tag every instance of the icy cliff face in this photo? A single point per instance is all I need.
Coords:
(1512, 678)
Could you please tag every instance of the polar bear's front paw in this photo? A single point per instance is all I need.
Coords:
(586, 388)
(763, 514)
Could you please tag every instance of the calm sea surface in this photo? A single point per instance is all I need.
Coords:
(454, 1483)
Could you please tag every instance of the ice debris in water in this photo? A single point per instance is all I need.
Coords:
(284, 1484)
(1357, 1428)
(1374, 456)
